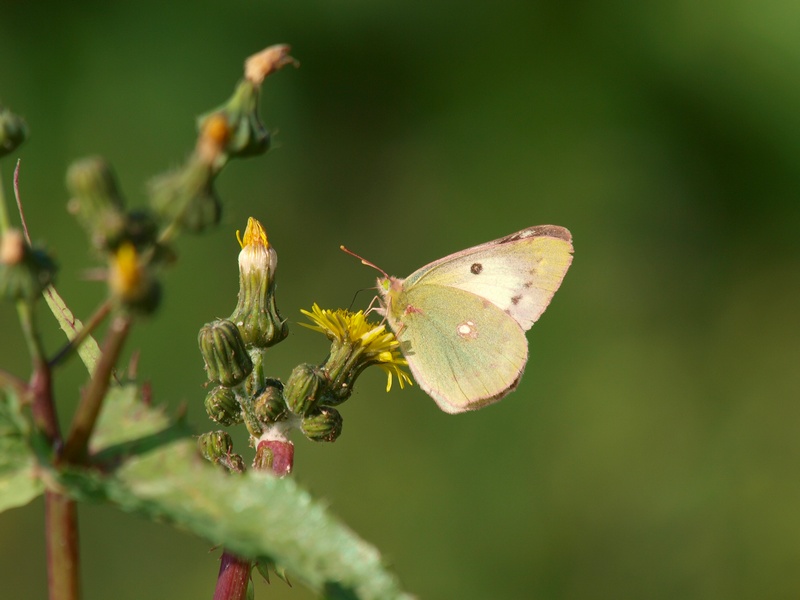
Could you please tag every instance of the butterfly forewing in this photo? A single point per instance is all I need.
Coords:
(518, 273)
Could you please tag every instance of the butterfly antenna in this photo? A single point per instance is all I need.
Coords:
(364, 261)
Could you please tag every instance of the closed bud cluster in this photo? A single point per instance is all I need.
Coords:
(304, 388)
(256, 312)
(13, 131)
(24, 271)
(322, 425)
(223, 407)
(226, 358)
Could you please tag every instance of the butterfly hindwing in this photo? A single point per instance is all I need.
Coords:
(463, 351)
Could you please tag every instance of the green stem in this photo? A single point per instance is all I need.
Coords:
(76, 448)
(72, 346)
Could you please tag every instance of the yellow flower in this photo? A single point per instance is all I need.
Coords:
(373, 343)
(130, 281)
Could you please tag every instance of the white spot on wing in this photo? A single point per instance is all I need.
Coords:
(467, 330)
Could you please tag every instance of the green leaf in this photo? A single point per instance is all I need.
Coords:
(89, 351)
(19, 481)
(159, 473)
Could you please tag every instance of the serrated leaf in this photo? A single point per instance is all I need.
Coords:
(256, 515)
(19, 481)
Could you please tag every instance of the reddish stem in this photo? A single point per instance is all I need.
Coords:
(233, 578)
(61, 523)
(234, 572)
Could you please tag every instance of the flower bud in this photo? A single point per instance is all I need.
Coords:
(95, 197)
(226, 359)
(256, 311)
(338, 392)
(223, 407)
(302, 390)
(217, 448)
(13, 131)
(24, 271)
(187, 196)
(248, 136)
(276, 456)
(322, 425)
(214, 445)
(269, 406)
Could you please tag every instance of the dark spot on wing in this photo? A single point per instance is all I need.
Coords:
(516, 299)
(476, 268)
(528, 284)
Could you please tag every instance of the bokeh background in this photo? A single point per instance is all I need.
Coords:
(652, 449)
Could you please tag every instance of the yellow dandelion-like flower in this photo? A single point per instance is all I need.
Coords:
(374, 343)
(126, 275)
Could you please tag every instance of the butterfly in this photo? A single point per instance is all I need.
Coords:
(461, 320)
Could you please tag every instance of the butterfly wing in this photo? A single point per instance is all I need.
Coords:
(463, 351)
(518, 273)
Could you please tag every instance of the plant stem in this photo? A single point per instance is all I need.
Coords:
(233, 578)
(61, 517)
(83, 423)
(61, 523)
(234, 572)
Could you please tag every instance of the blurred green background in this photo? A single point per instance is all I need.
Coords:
(651, 450)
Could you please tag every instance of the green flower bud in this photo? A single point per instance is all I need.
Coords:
(322, 425)
(303, 389)
(187, 196)
(215, 444)
(226, 359)
(247, 134)
(338, 392)
(13, 131)
(256, 311)
(223, 407)
(96, 201)
(24, 271)
(217, 447)
(269, 406)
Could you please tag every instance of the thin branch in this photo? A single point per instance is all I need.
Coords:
(19, 202)
(85, 418)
